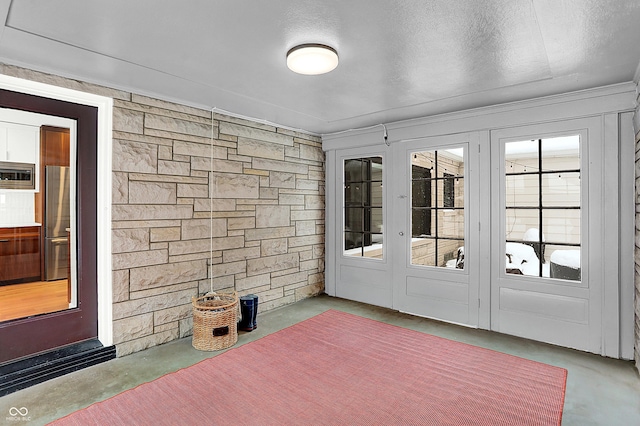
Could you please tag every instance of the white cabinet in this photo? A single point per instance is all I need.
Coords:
(19, 143)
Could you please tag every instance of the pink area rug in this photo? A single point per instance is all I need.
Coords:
(342, 369)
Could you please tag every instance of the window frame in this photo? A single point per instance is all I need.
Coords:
(366, 207)
(437, 206)
(584, 197)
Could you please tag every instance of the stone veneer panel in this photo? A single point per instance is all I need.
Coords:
(204, 201)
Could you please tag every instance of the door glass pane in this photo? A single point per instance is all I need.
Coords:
(353, 219)
(542, 207)
(451, 191)
(353, 170)
(561, 153)
(376, 220)
(450, 224)
(561, 226)
(37, 225)
(423, 251)
(437, 208)
(520, 221)
(561, 189)
(563, 261)
(522, 190)
(363, 213)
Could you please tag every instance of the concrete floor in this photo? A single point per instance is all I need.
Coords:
(600, 391)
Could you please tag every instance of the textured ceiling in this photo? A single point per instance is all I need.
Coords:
(398, 59)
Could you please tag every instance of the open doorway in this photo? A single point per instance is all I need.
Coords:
(37, 221)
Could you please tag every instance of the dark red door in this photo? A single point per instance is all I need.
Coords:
(28, 336)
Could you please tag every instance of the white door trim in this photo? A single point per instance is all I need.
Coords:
(358, 278)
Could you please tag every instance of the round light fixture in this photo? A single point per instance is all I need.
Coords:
(312, 59)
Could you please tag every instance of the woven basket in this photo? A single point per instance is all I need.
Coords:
(215, 321)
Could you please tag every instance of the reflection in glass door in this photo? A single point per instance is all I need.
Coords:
(363, 219)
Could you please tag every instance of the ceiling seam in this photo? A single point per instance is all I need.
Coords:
(212, 107)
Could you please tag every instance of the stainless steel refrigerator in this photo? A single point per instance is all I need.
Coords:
(56, 223)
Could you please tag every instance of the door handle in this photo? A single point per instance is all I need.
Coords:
(4, 241)
(59, 241)
(401, 233)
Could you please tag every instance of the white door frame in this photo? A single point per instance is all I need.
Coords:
(359, 278)
(447, 294)
(565, 313)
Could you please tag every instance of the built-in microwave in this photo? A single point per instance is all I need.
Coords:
(17, 175)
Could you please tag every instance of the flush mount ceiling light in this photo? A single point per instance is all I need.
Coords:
(312, 59)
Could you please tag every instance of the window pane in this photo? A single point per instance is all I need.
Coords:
(562, 153)
(520, 154)
(437, 207)
(376, 169)
(423, 251)
(375, 213)
(561, 190)
(543, 176)
(450, 192)
(420, 222)
(353, 194)
(363, 214)
(353, 170)
(522, 259)
(376, 194)
(561, 226)
(448, 251)
(374, 250)
(522, 190)
(451, 223)
(352, 240)
(564, 262)
(421, 193)
(353, 220)
(519, 221)
(364, 190)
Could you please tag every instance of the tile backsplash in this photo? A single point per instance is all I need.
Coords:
(16, 207)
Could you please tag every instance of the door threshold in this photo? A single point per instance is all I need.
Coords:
(27, 372)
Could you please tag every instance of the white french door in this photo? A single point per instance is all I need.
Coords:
(546, 233)
(501, 230)
(434, 238)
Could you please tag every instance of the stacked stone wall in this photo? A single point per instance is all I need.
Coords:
(204, 202)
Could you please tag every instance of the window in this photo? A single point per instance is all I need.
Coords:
(363, 219)
(543, 198)
(437, 208)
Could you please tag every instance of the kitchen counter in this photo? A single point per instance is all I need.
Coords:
(19, 225)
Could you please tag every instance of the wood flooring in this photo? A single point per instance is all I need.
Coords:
(24, 300)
